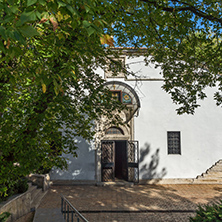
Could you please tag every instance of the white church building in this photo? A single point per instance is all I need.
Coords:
(154, 144)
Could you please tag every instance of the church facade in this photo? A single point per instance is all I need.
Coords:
(154, 142)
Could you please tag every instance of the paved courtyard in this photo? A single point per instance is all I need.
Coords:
(137, 203)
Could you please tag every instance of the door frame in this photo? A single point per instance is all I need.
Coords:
(128, 134)
(110, 165)
(132, 161)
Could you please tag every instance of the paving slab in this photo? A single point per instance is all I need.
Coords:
(48, 215)
(176, 202)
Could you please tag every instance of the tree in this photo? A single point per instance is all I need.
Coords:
(50, 92)
(184, 38)
(50, 51)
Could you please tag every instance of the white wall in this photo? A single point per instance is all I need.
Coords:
(201, 141)
(81, 167)
(200, 134)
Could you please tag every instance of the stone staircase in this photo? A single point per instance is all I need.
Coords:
(36, 196)
(212, 176)
(21, 204)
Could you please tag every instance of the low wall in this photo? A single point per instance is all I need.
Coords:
(21, 204)
(17, 206)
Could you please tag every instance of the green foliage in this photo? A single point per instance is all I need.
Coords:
(50, 93)
(184, 37)
(7, 189)
(208, 213)
(4, 216)
(43, 170)
(50, 52)
(20, 185)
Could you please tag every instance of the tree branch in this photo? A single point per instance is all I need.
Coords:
(188, 7)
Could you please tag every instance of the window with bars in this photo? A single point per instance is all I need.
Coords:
(173, 142)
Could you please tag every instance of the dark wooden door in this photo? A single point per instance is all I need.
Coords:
(120, 159)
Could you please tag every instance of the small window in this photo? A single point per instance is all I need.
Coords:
(115, 68)
(173, 141)
(114, 130)
(117, 64)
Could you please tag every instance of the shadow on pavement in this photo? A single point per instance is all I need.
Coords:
(140, 202)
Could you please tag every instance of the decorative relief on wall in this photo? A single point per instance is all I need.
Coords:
(125, 94)
(126, 98)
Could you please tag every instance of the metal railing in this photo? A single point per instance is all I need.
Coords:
(69, 212)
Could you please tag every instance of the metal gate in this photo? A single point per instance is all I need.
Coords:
(108, 161)
(133, 161)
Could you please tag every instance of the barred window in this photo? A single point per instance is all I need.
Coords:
(173, 141)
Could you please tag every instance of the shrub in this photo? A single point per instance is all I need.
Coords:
(208, 213)
(4, 216)
(22, 185)
(13, 187)
(3, 192)
(43, 170)
(7, 190)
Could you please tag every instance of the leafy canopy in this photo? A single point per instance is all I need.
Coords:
(49, 51)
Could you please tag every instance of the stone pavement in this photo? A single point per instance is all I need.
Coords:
(139, 203)
(48, 215)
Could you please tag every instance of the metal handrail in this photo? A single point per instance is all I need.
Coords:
(67, 209)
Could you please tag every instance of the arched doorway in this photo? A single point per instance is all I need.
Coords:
(118, 154)
(119, 160)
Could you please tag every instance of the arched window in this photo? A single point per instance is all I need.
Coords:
(114, 130)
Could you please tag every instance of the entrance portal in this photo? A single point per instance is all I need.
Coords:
(119, 160)
(118, 157)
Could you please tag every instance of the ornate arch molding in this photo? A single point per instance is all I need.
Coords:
(113, 130)
(127, 95)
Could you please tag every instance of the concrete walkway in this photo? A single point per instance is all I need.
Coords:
(137, 203)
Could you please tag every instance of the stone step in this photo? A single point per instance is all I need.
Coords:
(219, 162)
(212, 174)
(209, 177)
(37, 200)
(49, 215)
(35, 193)
(32, 190)
(207, 181)
(199, 177)
(216, 166)
(214, 170)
